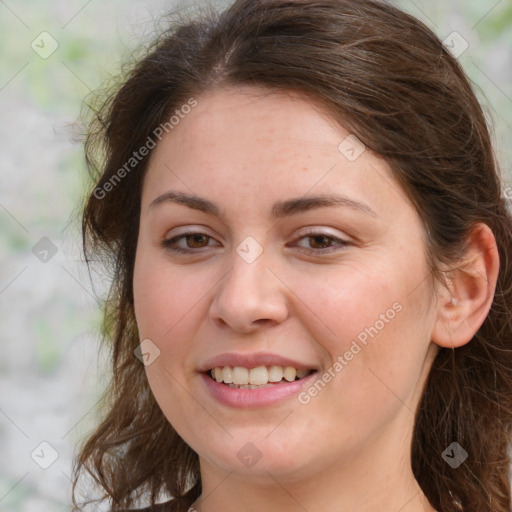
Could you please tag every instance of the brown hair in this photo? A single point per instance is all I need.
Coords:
(388, 79)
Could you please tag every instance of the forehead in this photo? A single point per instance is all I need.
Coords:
(255, 145)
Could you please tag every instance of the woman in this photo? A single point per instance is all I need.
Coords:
(310, 307)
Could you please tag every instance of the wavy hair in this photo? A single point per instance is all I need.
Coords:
(388, 79)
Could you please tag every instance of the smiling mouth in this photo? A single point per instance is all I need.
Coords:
(257, 378)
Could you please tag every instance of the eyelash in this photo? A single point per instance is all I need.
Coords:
(170, 243)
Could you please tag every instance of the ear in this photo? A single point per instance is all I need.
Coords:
(464, 304)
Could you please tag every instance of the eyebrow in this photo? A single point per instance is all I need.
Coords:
(280, 209)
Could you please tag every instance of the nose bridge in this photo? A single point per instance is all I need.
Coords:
(249, 294)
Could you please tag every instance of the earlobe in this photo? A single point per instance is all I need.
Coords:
(465, 302)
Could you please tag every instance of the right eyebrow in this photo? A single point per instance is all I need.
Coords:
(192, 201)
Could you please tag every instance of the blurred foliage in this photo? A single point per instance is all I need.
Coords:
(48, 349)
(498, 23)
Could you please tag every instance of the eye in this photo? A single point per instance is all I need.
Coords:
(193, 240)
(322, 242)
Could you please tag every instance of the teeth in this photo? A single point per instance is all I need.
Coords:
(240, 375)
(289, 373)
(226, 374)
(302, 373)
(275, 374)
(258, 376)
(255, 377)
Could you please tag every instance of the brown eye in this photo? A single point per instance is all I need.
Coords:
(193, 241)
(321, 243)
(196, 240)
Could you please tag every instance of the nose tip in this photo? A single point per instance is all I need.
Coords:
(248, 298)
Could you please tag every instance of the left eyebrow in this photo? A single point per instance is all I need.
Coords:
(292, 206)
(280, 209)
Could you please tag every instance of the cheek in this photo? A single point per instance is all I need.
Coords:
(350, 302)
(167, 309)
(375, 328)
(165, 297)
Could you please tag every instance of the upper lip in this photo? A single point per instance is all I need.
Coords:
(252, 361)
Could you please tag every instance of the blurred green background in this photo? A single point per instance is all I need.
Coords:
(50, 374)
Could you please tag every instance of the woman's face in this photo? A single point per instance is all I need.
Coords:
(269, 241)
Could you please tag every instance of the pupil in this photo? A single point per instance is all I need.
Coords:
(318, 240)
(196, 239)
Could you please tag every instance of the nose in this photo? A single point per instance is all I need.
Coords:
(249, 297)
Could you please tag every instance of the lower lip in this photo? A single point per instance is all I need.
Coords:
(247, 398)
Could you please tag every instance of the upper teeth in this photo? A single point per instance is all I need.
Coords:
(257, 376)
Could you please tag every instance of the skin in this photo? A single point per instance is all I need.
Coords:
(348, 449)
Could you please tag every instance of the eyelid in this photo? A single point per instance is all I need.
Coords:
(319, 230)
(310, 231)
(188, 231)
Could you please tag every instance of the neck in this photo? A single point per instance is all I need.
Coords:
(379, 480)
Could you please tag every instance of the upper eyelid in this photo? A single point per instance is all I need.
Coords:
(189, 231)
(311, 231)
(314, 230)
(342, 240)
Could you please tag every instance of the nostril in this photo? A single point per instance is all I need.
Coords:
(263, 321)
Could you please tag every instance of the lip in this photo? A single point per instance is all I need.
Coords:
(253, 398)
(252, 361)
